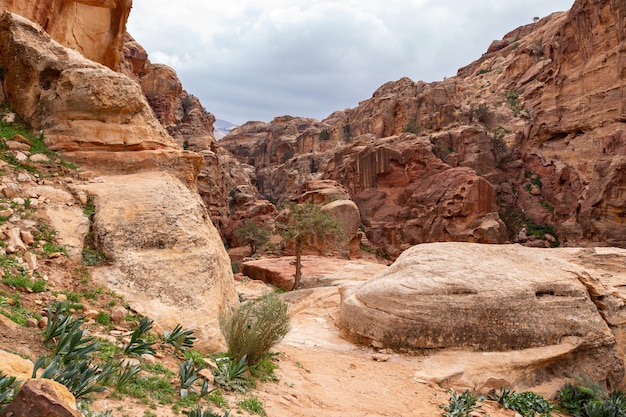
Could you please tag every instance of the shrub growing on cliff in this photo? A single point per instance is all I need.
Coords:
(254, 328)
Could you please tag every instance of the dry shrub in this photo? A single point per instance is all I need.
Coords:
(255, 327)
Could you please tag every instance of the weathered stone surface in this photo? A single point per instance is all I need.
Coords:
(167, 259)
(489, 298)
(11, 364)
(84, 107)
(66, 217)
(42, 398)
(95, 28)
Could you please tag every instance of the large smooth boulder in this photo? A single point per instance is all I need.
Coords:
(487, 298)
(167, 258)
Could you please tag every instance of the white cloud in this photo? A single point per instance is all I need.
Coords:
(251, 60)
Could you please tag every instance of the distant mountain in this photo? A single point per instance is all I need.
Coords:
(222, 127)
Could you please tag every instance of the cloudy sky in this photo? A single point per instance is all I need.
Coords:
(257, 59)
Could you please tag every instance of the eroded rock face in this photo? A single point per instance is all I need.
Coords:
(489, 298)
(93, 115)
(95, 28)
(168, 260)
(540, 117)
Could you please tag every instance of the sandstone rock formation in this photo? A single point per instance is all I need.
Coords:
(90, 113)
(168, 259)
(95, 28)
(42, 397)
(497, 298)
(537, 121)
(165, 255)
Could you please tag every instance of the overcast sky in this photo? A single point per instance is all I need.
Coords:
(258, 59)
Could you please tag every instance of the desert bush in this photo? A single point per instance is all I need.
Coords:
(255, 327)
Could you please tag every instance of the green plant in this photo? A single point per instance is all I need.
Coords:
(196, 356)
(179, 338)
(481, 113)
(103, 318)
(137, 344)
(324, 134)
(230, 374)
(528, 404)
(57, 321)
(9, 386)
(187, 376)
(50, 248)
(255, 327)
(83, 407)
(263, 370)
(150, 388)
(217, 398)
(301, 221)
(460, 405)
(253, 405)
(81, 377)
(253, 235)
(125, 375)
(93, 257)
(199, 412)
(412, 127)
(586, 398)
(513, 100)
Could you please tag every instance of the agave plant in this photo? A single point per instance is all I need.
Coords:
(9, 386)
(187, 376)
(460, 405)
(137, 344)
(199, 412)
(230, 374)
(179, 338)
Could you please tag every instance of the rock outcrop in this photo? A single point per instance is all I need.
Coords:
(165, 255)
(539, 119)
(497, 298)
(169, 261)
(42, 397)
(95, 28)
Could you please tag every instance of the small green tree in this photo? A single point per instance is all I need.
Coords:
(301, 221)
(253, 235)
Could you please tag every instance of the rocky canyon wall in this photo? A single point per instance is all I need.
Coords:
(538, 121)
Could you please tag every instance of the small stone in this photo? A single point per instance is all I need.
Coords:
(9, 117)
(378, 357)
(20, 156)
(376, 344)
(207, 374)
(42, 323)
(6, 212)
(148, 358)
(27, 237)
(17, 146)
(116, 332)
(535, 190)
(31, 322)
(210, 363)
(91, 314)
(55, 255)
(19, 200)
(21, 139)
(39, 157)
(549, 238)
(118, 314)
(61, 297)
(10, 191)
(23, 177)
(39, 302)
(86, 175)
(130, 362)
(31, 261)
(15, 240)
